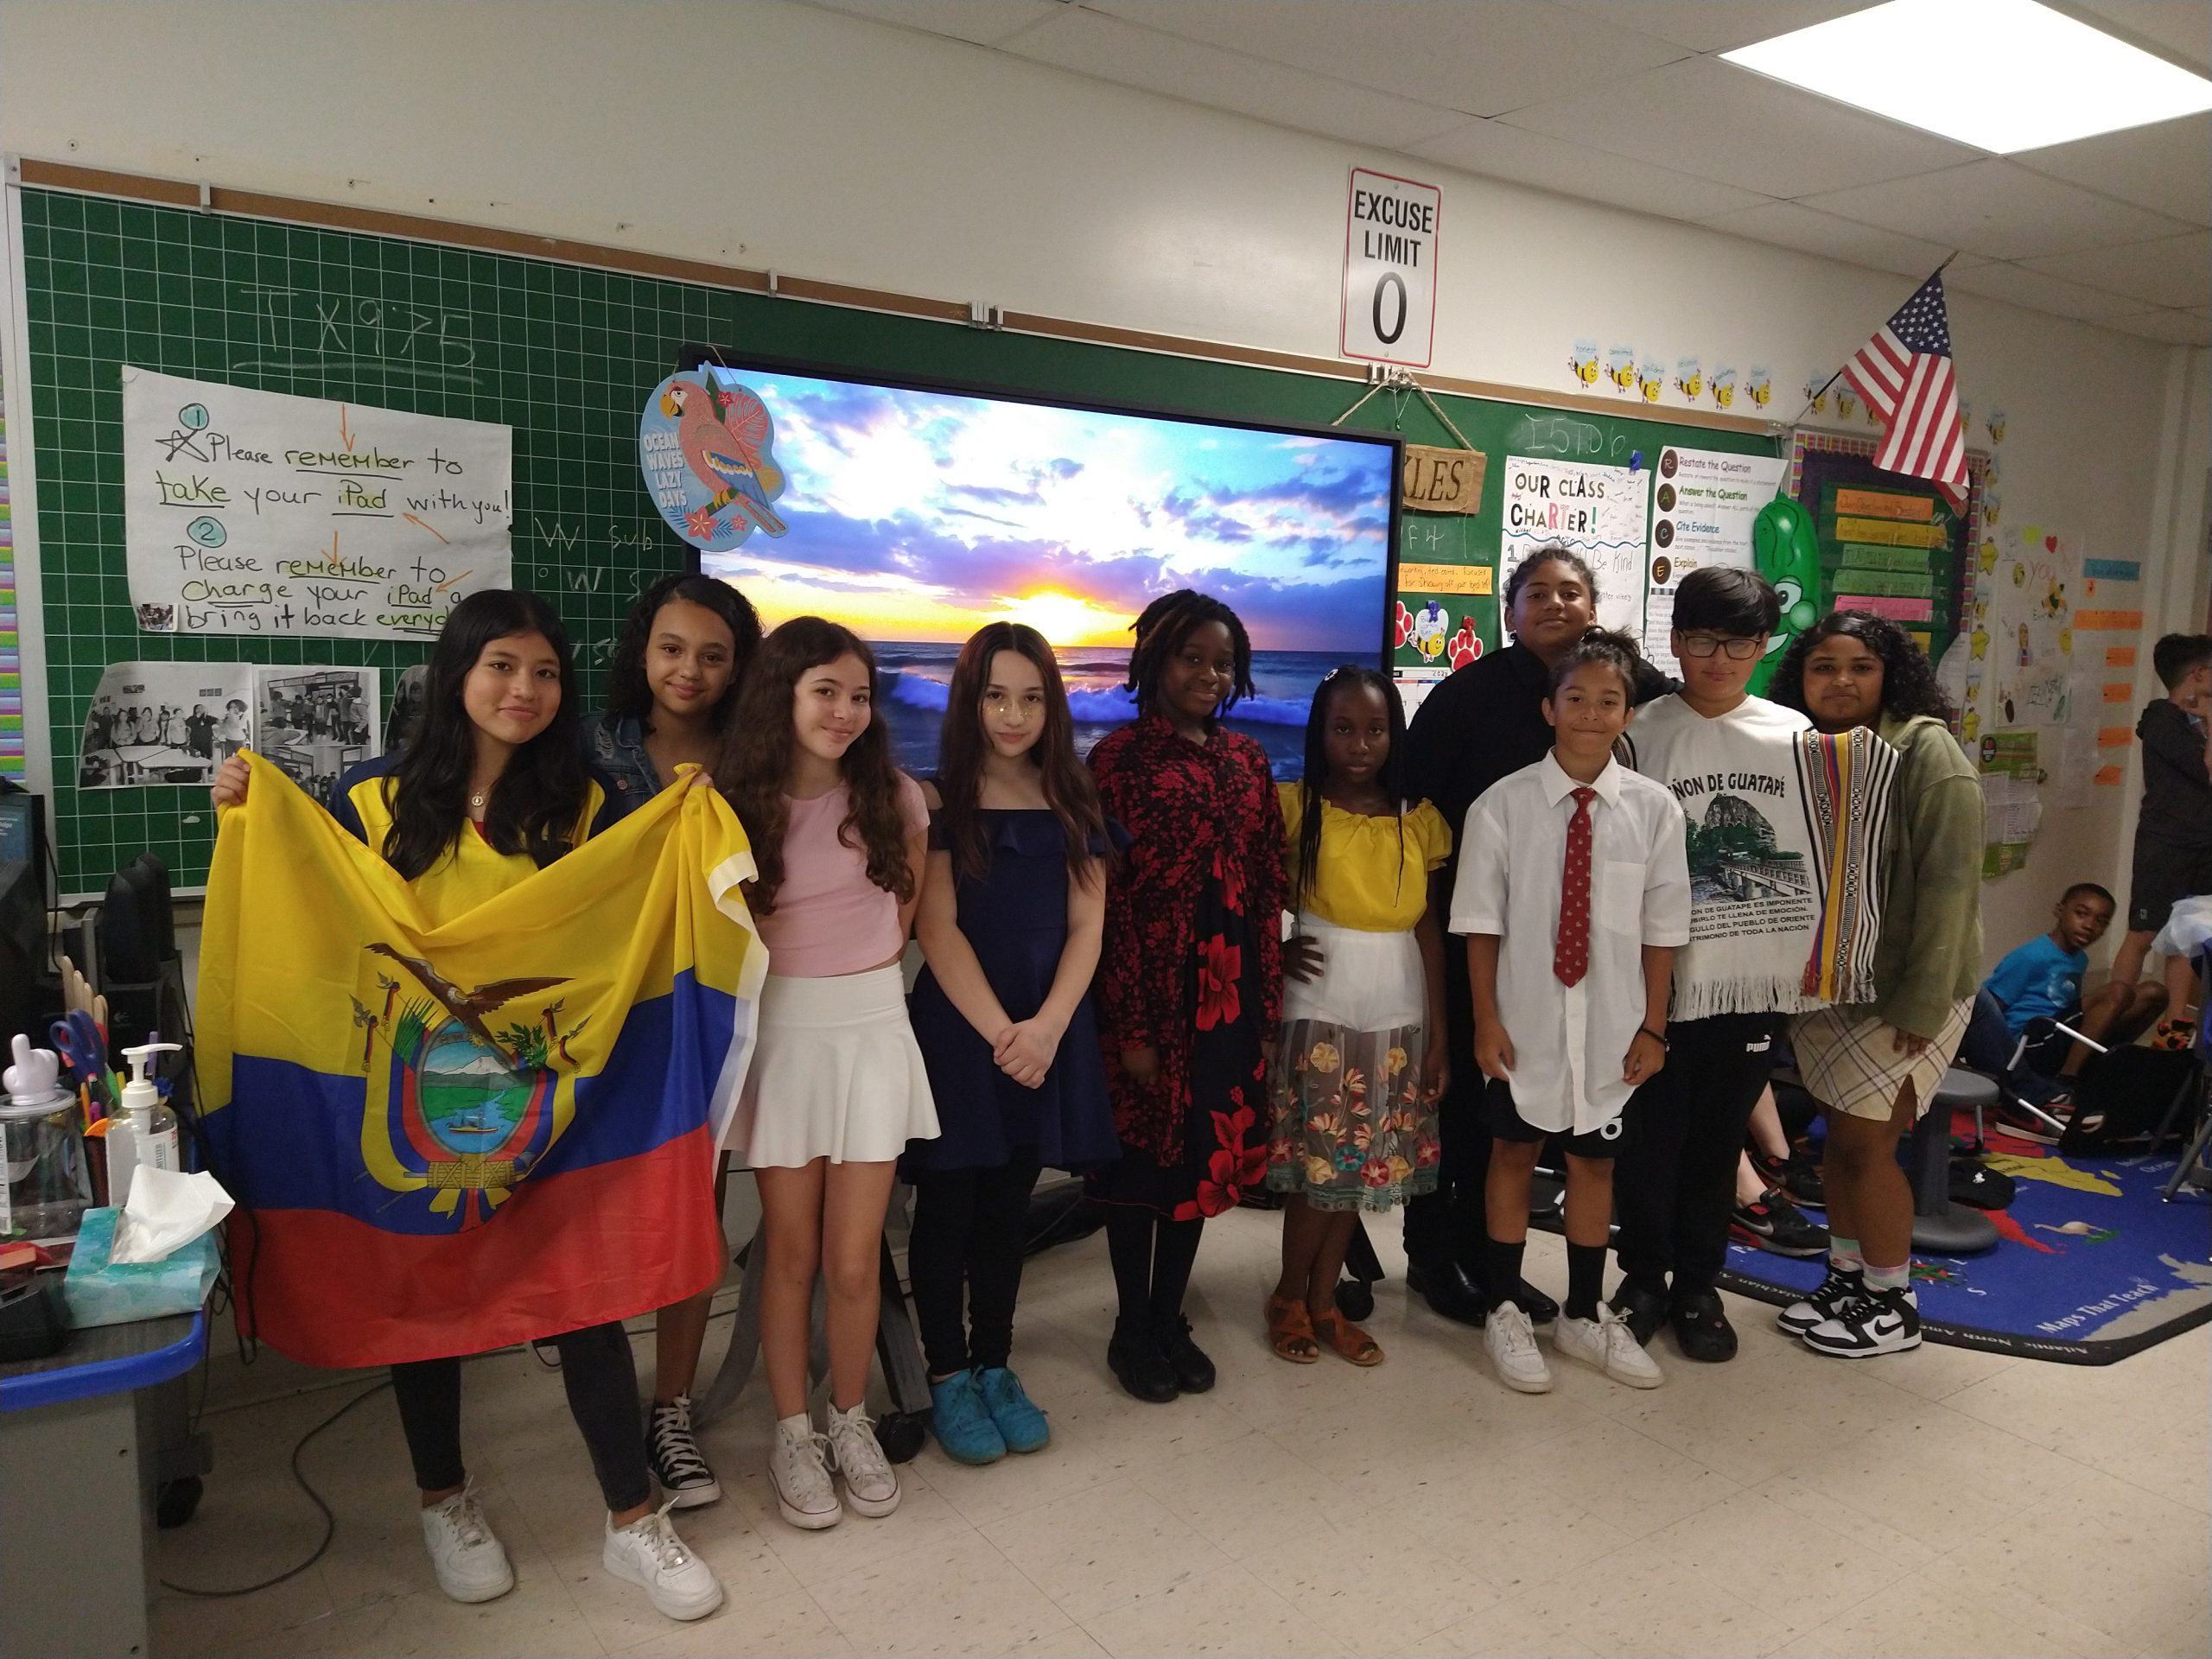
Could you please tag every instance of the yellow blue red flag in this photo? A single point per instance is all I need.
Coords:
(449, 1138)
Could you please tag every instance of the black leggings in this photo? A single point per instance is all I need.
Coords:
(969, 1228)
(1151, 1257)
(601, 1379)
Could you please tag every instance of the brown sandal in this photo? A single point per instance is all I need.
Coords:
(1347, 1339)
(1291, 1331)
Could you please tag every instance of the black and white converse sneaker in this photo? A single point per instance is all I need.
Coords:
(681, 1471)
(1878, 1322)
(1837, 1292)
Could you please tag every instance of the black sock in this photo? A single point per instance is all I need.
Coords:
(1501, 1272)
(1128, 1247)
(1175, 1248)
(1585, 1279)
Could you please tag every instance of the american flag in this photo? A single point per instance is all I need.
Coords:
(1905, 375)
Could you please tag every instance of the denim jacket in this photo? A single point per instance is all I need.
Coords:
(617, 749)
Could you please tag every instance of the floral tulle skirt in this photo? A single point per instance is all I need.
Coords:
(1350, 1130)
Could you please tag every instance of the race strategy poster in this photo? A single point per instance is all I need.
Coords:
(1704, 504)
(1601, 512)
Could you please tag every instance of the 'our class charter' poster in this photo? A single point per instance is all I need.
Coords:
(1601, 512)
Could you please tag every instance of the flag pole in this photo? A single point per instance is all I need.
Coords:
(1838, 375)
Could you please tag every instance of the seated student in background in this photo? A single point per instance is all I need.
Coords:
(2173, 833)
(492, 789)
(1360, 1065)
(671, 689)
(1574, 891)
(1875, 1066)
(2041, 980)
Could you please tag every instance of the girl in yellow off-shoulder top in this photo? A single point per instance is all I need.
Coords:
(1356, 1075)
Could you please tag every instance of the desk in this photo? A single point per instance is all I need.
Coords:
(76, 1491)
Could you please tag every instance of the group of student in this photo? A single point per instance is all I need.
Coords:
(1110, 988)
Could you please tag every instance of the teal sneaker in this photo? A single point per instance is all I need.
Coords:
(1021, 1425)
(960, 1421)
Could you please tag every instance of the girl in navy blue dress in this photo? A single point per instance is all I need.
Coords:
(1010, 922)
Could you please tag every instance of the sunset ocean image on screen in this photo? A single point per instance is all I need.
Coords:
(915, 517)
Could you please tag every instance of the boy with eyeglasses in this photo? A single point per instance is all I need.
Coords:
(1732, 760)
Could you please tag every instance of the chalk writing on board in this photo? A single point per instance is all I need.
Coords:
(255, 513)
(298, 332)
(1565, 437)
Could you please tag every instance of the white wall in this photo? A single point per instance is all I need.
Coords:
(773, 135)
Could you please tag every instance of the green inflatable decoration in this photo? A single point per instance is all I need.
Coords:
(1787, 553)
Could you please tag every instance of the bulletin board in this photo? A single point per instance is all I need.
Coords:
(468, 323)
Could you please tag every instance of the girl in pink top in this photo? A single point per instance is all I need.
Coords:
(837, 1087)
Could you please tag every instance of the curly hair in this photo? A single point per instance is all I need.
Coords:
(628, 697)
(1160, 630)
(1909, 686)
(755, 761)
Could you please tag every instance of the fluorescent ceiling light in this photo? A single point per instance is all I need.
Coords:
(2003, 75)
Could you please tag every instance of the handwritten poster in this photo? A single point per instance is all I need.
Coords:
(1703, 507)
(1601, 512)
(257, 512)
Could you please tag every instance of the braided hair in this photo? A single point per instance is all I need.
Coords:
(1389, 777)
(1161, 631)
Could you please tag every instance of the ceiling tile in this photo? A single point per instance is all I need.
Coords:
(2016, 285)
(1704, 117)
(1790, 224)
(2175, 327)
(1092, 43)
(2166, 167)
(1481, 60)
(1716, 25)
(986, 22)
(1997, 209)
(2182, 27)
(2175, 271)
(1503, 152)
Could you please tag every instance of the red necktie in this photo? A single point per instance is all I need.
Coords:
(1571, 955)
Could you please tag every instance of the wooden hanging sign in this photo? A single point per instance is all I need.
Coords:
(1442, 480)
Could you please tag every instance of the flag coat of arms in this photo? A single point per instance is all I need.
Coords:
(449, 1137)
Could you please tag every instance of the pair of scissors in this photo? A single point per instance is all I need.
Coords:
(77, 1041)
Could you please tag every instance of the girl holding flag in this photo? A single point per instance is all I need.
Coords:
(494, 788)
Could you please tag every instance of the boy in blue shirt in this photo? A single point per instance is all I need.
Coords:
(2041, 980)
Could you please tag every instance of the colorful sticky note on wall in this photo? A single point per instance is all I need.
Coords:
(2118, 691)
(2114, 737)
(2108, 776)
(2109, 621)
(2120, 656)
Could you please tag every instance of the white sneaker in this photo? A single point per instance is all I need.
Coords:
(804, 1491)
(870, 1486)
(648, 1554)
(471, 1564)
(1511, 1342)
(1607, 1343)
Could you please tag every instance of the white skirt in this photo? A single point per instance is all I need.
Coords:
(1370, 981)
(835, 1074)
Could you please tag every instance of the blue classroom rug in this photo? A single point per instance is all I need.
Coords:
(2089, 1267)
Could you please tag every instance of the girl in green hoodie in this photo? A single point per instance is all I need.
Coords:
(1875, 1068)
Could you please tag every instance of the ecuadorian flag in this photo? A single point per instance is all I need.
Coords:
(445, 1139)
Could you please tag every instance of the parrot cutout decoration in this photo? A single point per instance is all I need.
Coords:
(1788, 554)
(706, 446)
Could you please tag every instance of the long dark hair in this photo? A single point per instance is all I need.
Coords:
(1909, 686)
(1389, 777)
(1160, 630)
(628, 697)
(538, 800)
(757, 753)
(1066, 781)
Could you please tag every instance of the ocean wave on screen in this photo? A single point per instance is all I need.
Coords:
(1110, 706)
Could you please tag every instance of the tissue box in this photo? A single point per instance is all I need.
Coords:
(100, 1293)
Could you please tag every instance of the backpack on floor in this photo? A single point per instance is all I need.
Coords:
(2124, 1096)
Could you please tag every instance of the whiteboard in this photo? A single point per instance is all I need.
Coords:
(251, 512)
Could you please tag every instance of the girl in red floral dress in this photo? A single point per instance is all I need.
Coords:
(1190, 982)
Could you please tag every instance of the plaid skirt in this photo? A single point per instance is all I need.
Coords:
(1851, 1064)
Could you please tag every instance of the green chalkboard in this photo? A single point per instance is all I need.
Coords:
(565, 355)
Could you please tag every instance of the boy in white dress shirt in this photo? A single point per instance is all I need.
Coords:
(1574, 890)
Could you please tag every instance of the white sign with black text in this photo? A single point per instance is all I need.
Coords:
(1389, 299)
